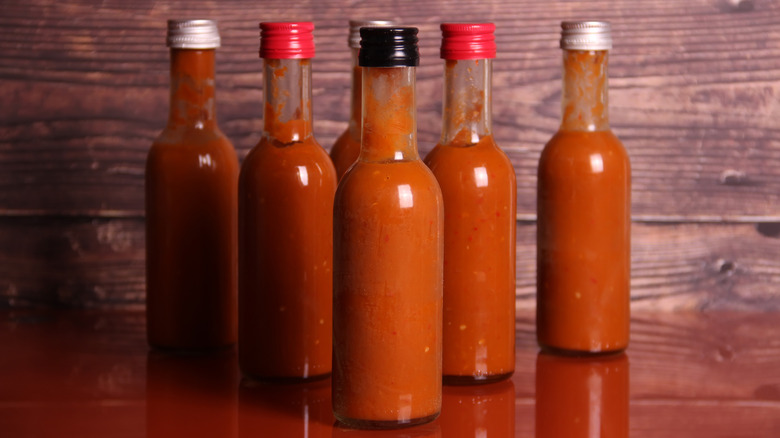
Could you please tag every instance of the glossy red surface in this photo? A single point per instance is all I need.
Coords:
(90, 374)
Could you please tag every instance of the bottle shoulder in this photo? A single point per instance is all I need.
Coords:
(596, 152)
(446, 159)
(372, 180)
(584, 142)
(271, 157)
(194, 148)
(187, 137)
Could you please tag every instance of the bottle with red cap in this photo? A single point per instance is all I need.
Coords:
(286, 190)
(477, 181)
(346, 149)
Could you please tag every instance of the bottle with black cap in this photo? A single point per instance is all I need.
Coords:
(191, 206)
(388, 248)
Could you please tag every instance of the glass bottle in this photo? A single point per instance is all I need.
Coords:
(347, 147)
(388, 213)
(286, 191)
(478, 184)
(582, 396)
(191, 206)
(584, 220)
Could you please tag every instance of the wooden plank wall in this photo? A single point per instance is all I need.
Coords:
(695, 91)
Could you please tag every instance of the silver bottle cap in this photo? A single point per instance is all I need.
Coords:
(586, 35)
(354, 29)
(193, 34)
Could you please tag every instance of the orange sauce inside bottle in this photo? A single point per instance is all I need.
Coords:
(388, 268)
(583, 235)
(191, 217)
(286, 191)
(346, 149)
(478, 185)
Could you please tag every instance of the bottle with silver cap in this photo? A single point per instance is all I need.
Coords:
(347, 147)
(584, 209)
(192, 206)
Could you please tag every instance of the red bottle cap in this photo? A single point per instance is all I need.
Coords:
(468, 41)
(287, 40)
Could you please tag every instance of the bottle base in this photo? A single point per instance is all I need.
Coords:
(455, 380)
(284, 380)
(574, 353)
(190, 350)
(354, 423)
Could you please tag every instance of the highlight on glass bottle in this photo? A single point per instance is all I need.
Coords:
(478, 185)
(347, 146)
(286, 191)
(191, 205)
(582, 396)
(583, 206)
(388, 213)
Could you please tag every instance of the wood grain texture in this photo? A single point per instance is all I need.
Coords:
(694, 94)
(62, 262)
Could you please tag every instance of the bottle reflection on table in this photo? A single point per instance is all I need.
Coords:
(428, 430)
(192, 395)
(285, 410)
(478, 410)
(582, 397)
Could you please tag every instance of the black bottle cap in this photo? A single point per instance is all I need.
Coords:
(388, 47)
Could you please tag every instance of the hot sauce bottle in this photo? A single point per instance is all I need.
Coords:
(478, 185)
(347, 147)
(388, 247)
(191, 211)
(582, 397)
(286, 191)
(584, 222)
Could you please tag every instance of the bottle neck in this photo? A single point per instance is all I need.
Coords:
(287, 100)
(389, 115)
(192, 89)
(355, 112)
(467, 101)
(585, 91)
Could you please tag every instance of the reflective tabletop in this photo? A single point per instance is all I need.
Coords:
(89, 373)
